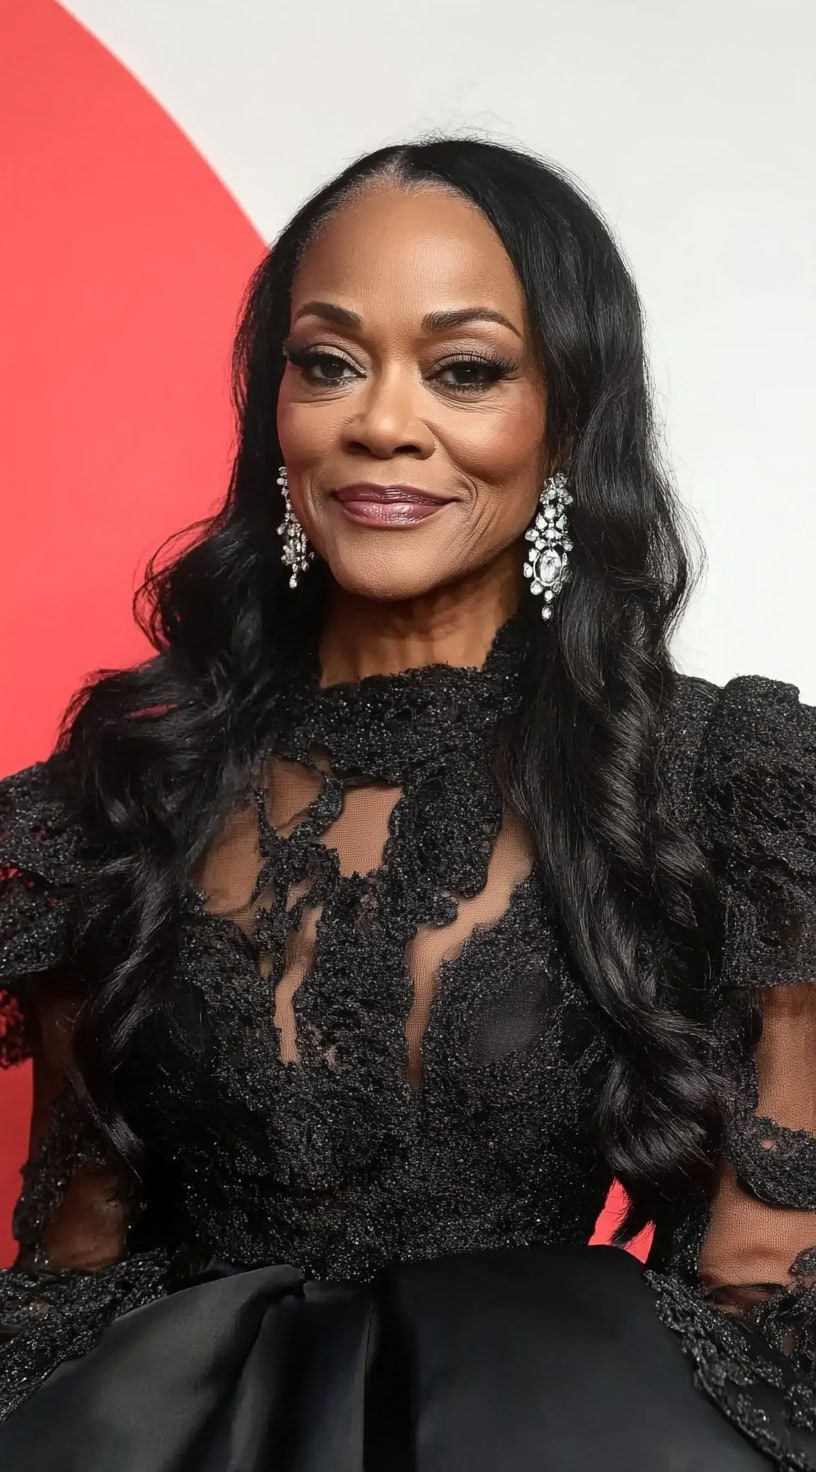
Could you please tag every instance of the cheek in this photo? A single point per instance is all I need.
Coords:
(498, 446)
(306, 431)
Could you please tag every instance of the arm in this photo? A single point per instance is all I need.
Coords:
(758, 1257)
(739, 1290)
(73, 1273)
(71, 1212)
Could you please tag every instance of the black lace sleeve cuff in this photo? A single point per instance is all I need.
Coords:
(742, 1364)
(49, 1317)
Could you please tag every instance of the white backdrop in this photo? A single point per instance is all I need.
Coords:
(693, 125)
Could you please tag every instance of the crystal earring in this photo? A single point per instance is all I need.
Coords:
(296, 554)
(546, 564)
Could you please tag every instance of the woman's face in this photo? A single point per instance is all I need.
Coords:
(411, 413)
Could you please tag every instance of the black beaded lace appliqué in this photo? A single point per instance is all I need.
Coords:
(401, 1107)
(752, 808)
(382, 1051)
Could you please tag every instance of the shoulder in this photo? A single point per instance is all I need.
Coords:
(42, 862)
(752, 726)
(739, 767)
(696, 703)
(39, 829)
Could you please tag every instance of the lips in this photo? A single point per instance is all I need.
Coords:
(388, 506)
(385, 495)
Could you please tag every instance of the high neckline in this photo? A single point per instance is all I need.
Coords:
(383, 724)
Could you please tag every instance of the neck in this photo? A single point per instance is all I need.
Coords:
(454, 625)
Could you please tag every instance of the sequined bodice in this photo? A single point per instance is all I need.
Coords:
(394, 1060)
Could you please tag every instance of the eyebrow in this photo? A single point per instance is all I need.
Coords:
(432, 322)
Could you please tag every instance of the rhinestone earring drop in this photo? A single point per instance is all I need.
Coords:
(296, 554)
(546, 564)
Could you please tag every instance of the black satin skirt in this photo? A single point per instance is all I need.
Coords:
(541, 1360)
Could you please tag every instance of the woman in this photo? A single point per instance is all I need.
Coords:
(406, 898)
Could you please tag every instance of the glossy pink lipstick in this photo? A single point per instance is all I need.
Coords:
(387, 506)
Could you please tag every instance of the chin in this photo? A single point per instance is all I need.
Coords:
(384, 578)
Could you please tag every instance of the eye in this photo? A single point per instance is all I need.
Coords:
(321, 369)
(471, 374)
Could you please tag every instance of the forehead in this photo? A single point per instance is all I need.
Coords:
(415, 249)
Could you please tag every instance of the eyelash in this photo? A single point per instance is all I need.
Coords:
(495, 368)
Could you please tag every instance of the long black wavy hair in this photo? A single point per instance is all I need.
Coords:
(160, 752)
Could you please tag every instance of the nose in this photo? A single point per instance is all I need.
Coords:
(386, 421)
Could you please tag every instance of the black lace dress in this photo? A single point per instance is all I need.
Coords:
(376, 1054)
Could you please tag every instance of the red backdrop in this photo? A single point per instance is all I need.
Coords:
(124, 259)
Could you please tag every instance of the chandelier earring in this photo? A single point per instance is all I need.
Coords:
(546, 565)
(296, 554)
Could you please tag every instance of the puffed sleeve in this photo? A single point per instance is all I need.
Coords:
(40, 869)
(752, 810)
(73, 1272)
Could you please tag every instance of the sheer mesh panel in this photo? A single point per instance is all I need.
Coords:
(69, 1214)
(231, 879)
(761, 1236)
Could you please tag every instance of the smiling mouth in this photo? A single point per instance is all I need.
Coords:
(388, 495)
(388, 506)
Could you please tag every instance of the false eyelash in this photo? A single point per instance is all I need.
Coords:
(495, 366)
(305, 357)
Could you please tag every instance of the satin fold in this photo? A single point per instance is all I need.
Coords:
(501, 1362)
